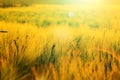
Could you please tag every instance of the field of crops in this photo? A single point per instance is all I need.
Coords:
(60, 42)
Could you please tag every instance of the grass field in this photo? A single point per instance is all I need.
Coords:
(60, 42)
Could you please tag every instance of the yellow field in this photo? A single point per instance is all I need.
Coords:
(60, 42)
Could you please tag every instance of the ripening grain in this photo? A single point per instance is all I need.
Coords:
(60, 42)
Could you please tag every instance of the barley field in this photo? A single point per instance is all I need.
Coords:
(60, 42)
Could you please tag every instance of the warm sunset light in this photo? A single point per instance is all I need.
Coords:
(90, 2)
(59, 39)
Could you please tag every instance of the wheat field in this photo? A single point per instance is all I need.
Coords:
(60, 42)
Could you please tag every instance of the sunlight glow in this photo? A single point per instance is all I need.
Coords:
(63, 33)
(91, 3)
